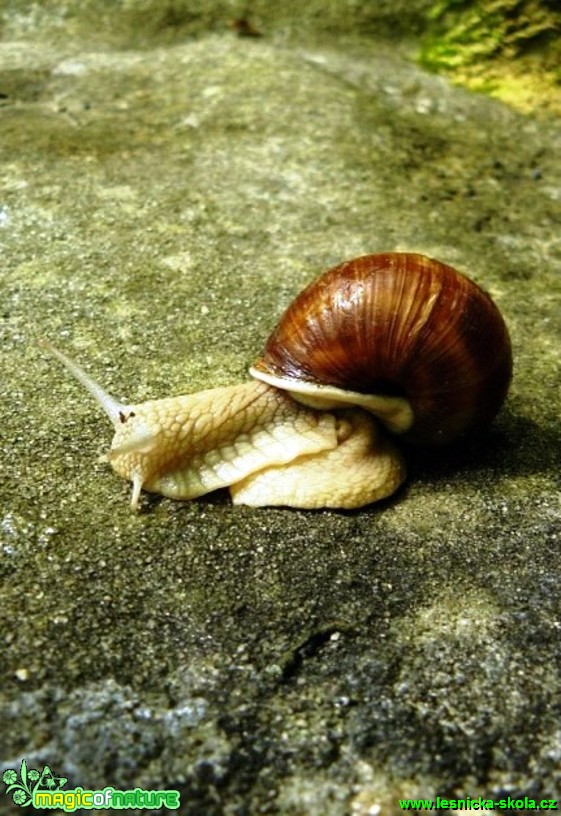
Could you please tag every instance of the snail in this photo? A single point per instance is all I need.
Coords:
(394, 342)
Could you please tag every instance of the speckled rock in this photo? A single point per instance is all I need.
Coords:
(159, 206)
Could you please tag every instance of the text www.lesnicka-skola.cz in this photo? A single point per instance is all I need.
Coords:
(482, 804)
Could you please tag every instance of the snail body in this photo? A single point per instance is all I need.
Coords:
(395, 339)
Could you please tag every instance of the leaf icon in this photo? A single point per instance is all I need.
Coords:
(24, 786)
(47, 779)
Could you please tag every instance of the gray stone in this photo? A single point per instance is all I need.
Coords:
(160, 205)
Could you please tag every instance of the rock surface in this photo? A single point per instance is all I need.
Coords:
(159, 207)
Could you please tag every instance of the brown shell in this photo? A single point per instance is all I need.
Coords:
(400, 324)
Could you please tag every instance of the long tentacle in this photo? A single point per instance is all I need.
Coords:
(112, 407)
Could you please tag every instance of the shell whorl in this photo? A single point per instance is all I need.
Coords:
(398, 324)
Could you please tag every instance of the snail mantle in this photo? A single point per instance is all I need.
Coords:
(380, 347)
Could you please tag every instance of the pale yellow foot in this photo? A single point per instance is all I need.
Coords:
(363, 468)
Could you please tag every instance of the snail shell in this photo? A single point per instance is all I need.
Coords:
(407, 337)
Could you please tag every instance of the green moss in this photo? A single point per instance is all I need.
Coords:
(464, 31)
(509, 48)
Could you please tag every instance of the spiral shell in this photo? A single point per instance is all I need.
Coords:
(405, 328)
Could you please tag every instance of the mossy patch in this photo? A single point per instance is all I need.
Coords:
(510, 49)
